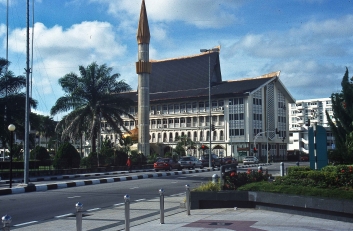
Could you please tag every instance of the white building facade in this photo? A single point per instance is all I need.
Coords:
(246, 113)
(303, 112)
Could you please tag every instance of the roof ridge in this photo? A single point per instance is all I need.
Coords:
(265, 76)
(185, 57)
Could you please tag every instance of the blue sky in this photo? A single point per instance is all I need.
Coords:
(309, 41)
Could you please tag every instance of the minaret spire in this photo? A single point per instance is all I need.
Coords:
(143, 30)
(143, 69)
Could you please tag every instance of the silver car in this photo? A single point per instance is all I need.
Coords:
(250, 160)
(190, 162)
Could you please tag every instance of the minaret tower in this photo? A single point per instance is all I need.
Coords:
(143, 69)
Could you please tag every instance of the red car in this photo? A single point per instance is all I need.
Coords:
(304, 158)
(166, 164)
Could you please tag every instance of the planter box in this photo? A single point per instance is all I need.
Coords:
(304, 205)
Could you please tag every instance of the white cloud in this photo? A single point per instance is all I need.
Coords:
(200, 13)
(58, 52)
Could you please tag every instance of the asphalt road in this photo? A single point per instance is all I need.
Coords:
(39, 206)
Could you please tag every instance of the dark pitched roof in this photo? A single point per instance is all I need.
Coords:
(222, 89)
(185, 73)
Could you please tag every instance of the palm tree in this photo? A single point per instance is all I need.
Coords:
(47, 127)
(90, 96)
(12, 101)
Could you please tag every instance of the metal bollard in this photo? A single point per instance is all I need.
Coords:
(281, 168)
(259, 169)
(215, 178)
(161, 194)
(187, 187)
(127, 212)
(79, 208)
(297, 164)
(6, 220)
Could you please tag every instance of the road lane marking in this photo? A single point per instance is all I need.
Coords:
(119, 204)
(65, 215)
(90, 210)
(27, 223)
(140, 200)
(73, 197)
(134, 187)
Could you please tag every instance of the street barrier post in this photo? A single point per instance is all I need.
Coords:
(215, 178)
(79, 208)
(187, 187)
(6, 220)
(282, 169)
(161, 194)
(127, 212)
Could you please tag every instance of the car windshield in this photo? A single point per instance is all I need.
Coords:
(163, 160)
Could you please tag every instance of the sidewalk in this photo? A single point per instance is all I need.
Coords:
(145, 216)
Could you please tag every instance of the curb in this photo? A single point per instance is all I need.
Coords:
(45, 187)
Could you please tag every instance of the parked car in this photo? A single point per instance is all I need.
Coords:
(166, 164)
(304, 158)
(229, 160)
(215, 161)
(190, 162)
(250, 160)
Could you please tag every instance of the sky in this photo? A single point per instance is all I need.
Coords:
(309, 41)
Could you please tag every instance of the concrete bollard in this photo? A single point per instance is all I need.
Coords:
(6, 220)
(215, 178)
(127, 212)
(161, 194)
(281, 168)
(79, 208)
(187, 187)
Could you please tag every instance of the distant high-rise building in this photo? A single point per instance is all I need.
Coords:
(304, 113)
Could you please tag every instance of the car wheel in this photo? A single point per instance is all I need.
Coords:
(201, 166)
(156, 170)
(170, 168)
(193, 167)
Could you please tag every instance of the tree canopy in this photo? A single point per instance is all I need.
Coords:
(341, 123)
(89, 98)
(12, 102)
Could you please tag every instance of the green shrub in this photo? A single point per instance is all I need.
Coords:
(209, 186)
(67, 157)
(298, 170)
(233, 180)
(39, 153)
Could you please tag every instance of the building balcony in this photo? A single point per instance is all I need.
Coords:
(304, 141)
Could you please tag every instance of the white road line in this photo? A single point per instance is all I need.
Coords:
(140, 200)
(182, 177)
(119, 204)
(65, 215)
(27, 223)
(174, 182)
(134, 187)
(73, 197)
(90, 210)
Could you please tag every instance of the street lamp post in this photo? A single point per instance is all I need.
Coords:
(209, 95)
(11, 129)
